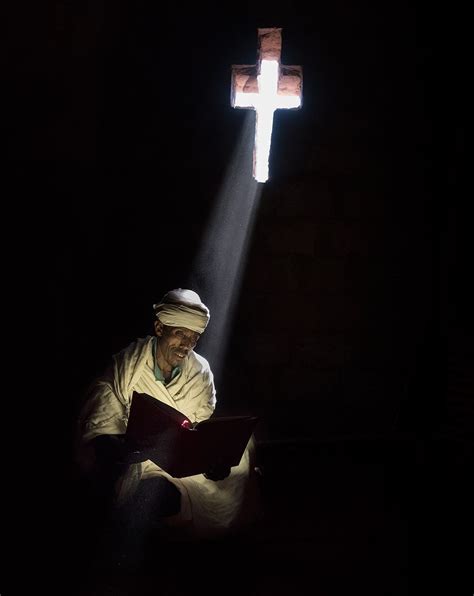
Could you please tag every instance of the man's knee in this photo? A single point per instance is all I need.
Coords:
(160, 495)
(155, 499)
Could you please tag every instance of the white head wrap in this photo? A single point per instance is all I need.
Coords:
(183, 308)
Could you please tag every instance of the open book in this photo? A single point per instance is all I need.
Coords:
(180, 448)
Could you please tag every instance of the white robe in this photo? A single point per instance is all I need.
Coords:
(211, 507)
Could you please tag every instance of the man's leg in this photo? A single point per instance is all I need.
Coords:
(154, 500)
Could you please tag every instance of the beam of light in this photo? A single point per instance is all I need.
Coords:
(218, 267)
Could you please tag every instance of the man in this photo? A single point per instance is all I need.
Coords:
(166, 367)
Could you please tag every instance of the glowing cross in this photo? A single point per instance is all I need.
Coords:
(266, 87)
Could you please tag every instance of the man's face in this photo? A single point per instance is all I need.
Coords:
(174, 344)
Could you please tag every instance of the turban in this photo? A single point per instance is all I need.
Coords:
(182, 308)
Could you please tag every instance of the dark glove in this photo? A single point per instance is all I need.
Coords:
(218, 472)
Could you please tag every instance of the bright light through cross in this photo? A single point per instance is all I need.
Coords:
(266, 87)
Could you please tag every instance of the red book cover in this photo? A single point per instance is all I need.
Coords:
(181, 449)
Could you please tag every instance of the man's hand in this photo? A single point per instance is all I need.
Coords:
(135, 457)
(218, 472)
(113, 450)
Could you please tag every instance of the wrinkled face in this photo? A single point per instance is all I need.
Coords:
(174, 344)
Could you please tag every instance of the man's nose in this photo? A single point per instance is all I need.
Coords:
(187, 342)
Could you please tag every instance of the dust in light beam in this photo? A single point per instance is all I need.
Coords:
(265, 87)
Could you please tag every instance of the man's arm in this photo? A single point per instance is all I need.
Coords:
(113, 450)
(218, 472)
(102, 425)
(203, 392)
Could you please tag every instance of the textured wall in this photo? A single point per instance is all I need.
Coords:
(131, 130)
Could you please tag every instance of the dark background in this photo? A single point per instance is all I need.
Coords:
(351, 330)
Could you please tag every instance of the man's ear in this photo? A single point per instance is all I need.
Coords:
(158, 328)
